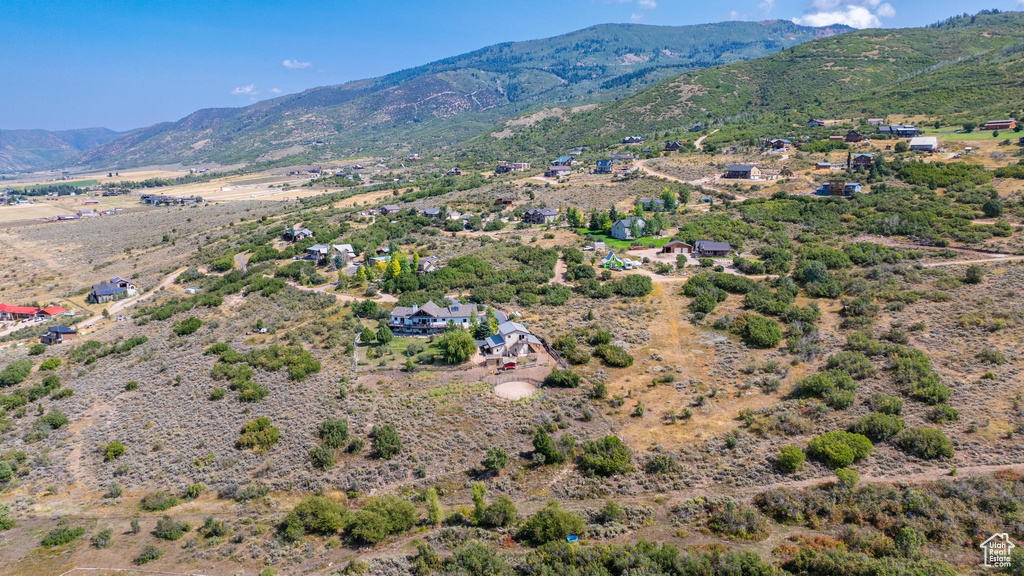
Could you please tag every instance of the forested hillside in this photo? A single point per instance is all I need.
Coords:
(966, 64)
(432, 106)
(33, 149)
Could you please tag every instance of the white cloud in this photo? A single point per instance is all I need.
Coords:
(766, 5)
(733, 14)
(634, 17)
(275, 90)
(247, 89)
(646, 4)
(296, 64)
(855, 13)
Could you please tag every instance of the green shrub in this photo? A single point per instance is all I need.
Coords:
(550, 524)
(102, 539)
(613, 356)
(877, 426)
(36, 349)
(158, 501)
(62, 534)
(6, 522)
(50, 364)
(15, 373)
(553, 453)
(790, 459)
(605, 457)
(855, 363)
(188, 326)
(943, 413)
(834, 386)
(886, 404)
(6, 472)
(148, 554)
(386, 443)
(496, 460)
(259, 435)
(738, 521)
(562, 379)
(758, 331)
(321, 457)
(334, 433)
(926, 443)
(112, 451)
(839, 449)
(847, 477)
(379, 518)
(314, 515)
(62, 394)
(168, 529)
(214, 528)
(131, 385)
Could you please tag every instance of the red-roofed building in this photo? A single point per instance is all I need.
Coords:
(8, 312)
(51, 311)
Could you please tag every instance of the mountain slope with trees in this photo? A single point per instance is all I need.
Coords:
(33, 149)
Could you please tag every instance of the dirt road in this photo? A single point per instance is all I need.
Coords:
(699, 143)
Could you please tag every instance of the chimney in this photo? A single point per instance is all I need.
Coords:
(415, 308)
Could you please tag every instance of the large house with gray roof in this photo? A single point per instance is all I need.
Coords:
(431, 318)
(511, 339)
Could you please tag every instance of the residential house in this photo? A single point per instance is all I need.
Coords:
(673, 146)
(58, 334)
(837, 138)
(86, 213)
(854, 136)
(676, 247)
(390, 208)
(1008, 124)
(823, 166)
(434, 213)
(540, 216)
(511, 339)
(9, 312)
(875, 121)
(778, 144)
(504, 201)
(652, 204)
(900, 130)
(603, 167)
(512, 167)
(620, 158)
(297, 233)
(345, 251)
(431, 318)
(318, 253)
(428, 264)
(634, 140)
(115, 289)
(862, 160)
(743, 172)
(710, 248)
(623, 229)
(815, 123)
(454, 172)
(564, 161)
(557, 171)
(838, 188)
(924, 143)
(51, 311)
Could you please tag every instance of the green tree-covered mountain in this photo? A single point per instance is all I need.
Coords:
(971, 66)
(435, 105)
(34, 149)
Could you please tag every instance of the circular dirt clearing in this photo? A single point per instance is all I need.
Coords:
(515, 390)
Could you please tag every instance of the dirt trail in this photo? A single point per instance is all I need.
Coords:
(560, 269)
(699, 143)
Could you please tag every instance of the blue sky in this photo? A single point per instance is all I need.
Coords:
(123, 65)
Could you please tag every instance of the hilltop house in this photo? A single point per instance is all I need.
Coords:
(9, 312)
(900, 130)
(862, 160)
(390, 208)
(58, 334)
(634, 140)
(623, 229)
(318, 253)
(1008, 124)
(557, 171)
(504, 201)
(512, 167)
(815, 123)
(822, 165)
(676, 247)
(564, 161)
(540, 216)
(743, 172)
(431, 318)
(434, 213)
(618, 158)
(710, 248)
(853, 136)
(652, 204)
(428, 264)
(875, 121)
(778, 144)
(924, 143)
(511, 339)
(345, 251)
(838, 188)
(603, 167)
(115, 289)
(673, 146)
(456, 171)
(297, 233)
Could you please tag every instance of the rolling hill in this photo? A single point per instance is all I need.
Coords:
(34, 149)
(450, 100)
(965, 66)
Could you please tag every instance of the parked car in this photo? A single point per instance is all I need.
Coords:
(507, 366)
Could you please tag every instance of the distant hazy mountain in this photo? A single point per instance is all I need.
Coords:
(432, 106)
(36, 149)
(967, 68)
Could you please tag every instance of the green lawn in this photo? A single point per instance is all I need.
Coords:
(622, 244)
(394, 351)
(949, 133)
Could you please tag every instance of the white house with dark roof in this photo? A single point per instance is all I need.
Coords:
(431, 318)
(117, 288)
(708, 248)
(511, 339)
